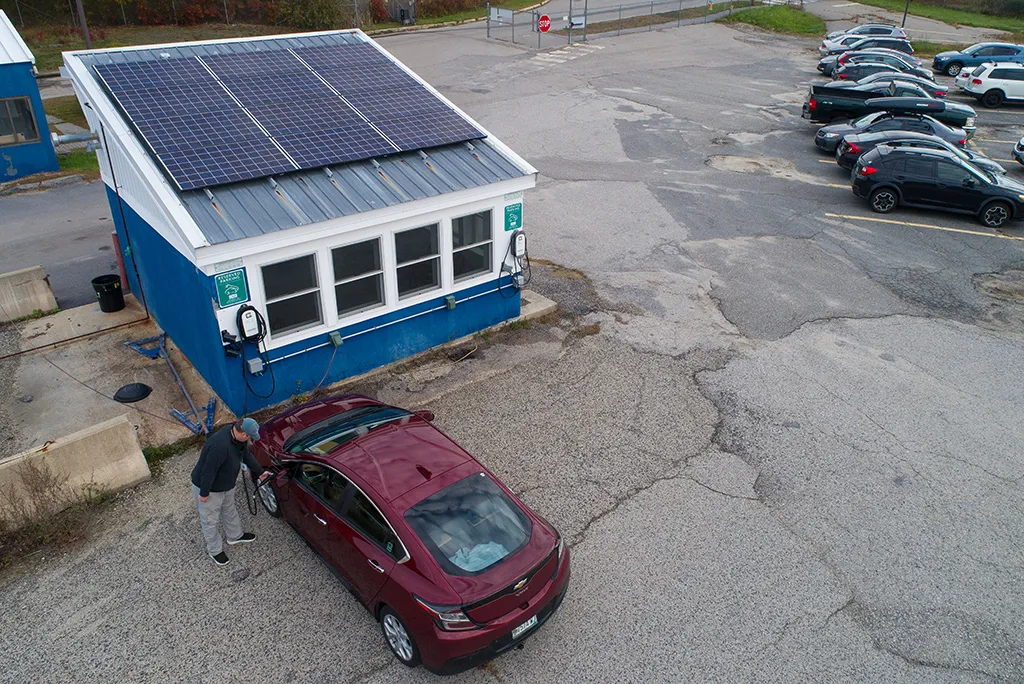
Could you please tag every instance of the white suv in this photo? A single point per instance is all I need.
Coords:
(994, 83)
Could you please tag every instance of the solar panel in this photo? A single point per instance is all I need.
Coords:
(420, 131)
(223, 118)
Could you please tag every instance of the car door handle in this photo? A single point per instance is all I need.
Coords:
(319, 519)
(376, 566)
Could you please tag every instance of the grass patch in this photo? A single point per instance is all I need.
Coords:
(643, 20)
(780, 19)
(66, 109)
(47, 42)
(78, 161)
(951, 16)
(161, 452)
(38, 313)
(924, 48)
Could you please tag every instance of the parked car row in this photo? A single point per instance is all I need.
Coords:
(904, 144)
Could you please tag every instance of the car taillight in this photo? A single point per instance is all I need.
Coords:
(561, 555)
(841, 77)
(812, 104)
(853, 147)
(940, 93)
(448, 618)
(976, 81)
(962, 142)
(867, 170)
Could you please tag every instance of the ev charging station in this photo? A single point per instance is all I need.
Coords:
(274, 285)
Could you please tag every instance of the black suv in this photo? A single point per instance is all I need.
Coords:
(935, 179)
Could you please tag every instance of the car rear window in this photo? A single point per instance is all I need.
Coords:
(324, 437)
(471, 526)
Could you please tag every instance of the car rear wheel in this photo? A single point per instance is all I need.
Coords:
(992, 98)
(996, 214)
(954, 68)
(268, 497)
(399, 639)
(883, 200)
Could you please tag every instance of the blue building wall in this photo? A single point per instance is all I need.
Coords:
(18, 161)
(181, 299)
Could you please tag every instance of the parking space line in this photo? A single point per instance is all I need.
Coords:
(839, 185)
(925, 225)
(826, 161)
(1005, 142)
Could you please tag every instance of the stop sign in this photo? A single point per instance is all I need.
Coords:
(544, 23)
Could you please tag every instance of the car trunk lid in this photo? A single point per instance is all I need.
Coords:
(512, 584)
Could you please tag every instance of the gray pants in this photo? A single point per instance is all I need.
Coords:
(218, 509)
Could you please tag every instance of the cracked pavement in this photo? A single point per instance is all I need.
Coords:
(784, 446)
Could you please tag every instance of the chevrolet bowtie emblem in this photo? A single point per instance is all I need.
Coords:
(520, 584)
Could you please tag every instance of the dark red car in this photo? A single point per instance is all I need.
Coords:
(454, 567)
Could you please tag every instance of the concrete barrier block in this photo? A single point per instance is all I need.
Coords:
(103, 458)
(24, 292)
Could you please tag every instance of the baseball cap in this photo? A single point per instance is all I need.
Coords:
(251, 428)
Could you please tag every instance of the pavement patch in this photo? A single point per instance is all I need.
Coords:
(780, 168)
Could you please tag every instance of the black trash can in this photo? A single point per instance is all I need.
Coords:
(108, 292)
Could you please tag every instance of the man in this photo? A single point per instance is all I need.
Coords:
(213, 485)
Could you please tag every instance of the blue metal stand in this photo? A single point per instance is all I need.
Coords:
(190, 419)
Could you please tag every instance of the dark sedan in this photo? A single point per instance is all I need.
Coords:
(933, 89)
(851, 59)
(851, 147)
(828, 137)
(452, 565)
(935, 179)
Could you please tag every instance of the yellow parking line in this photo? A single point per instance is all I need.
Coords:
(826, 161)
(925, 225)
(839, 185)
(1007, 142)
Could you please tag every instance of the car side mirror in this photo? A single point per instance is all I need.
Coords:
(968, 183)
(425, 414)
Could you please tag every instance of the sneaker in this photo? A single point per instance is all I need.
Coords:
(220, 559)
(244, 539)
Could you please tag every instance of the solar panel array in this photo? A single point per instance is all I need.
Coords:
(224, 118)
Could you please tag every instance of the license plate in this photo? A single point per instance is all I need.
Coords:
(521, 629)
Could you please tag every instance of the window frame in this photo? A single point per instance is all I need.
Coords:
(489, 241)
(438, 256)
(5, 105)
(382, 272)
(343, 505)
(267, 301)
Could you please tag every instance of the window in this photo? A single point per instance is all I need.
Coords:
(17, 125)
(470, 526)
(986, 52)
(1005, 51)
(293, 294)
(919, 126)
(326, 484)
(358, 278)
(419, 260)
(471, 245)
(920, 167)
(952, 173)
(365, 517)
(999, 73)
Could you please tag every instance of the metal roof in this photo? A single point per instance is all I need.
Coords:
(12, 48)
(266, 205)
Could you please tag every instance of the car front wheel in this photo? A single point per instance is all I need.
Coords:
(954, 69)
(992, 98)
(399, 640)
(268, 497)
(883, 200)
(996, 214)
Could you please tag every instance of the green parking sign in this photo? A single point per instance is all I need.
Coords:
(514, 216)
(231, 288)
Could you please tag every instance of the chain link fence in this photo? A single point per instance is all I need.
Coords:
(581, 22)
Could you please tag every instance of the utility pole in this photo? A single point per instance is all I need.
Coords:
(905, 10)
(85, 28)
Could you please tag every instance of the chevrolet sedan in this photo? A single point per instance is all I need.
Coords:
(444, 556)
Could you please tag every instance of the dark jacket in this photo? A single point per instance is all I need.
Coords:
(220, 461)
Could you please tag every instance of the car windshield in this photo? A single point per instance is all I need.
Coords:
(324, 437)
(470, 526)
(869, 118)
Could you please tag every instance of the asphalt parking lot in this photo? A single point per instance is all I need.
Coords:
(781, 434)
